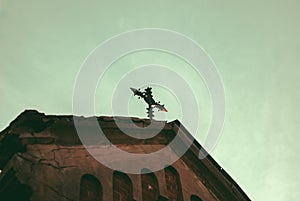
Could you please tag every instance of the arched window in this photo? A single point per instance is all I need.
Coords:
(150, 189)
(173, 184)
(195, 198)
(90, 188)
(122, 187)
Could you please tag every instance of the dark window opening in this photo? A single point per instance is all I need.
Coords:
(90, 189)
(122, 187)
(195, 198)
(150, 189)
(173, 184)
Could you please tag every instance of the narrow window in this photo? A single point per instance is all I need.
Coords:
(150, 189)
(173, 184)
(122, 187)
(195, 198)
(90, 188)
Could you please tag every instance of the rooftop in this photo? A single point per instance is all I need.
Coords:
(32, 127)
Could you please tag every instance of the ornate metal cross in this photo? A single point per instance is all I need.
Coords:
(148, 98)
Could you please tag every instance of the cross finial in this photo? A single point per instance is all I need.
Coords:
(148, 98)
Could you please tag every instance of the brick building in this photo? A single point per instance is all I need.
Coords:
(42, 158)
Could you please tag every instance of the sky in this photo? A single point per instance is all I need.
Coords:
(254, 45)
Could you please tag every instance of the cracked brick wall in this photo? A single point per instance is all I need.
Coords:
(46, 156)
(54, 173)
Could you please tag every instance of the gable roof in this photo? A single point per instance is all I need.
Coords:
(32, 127)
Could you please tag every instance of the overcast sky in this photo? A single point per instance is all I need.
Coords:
(254, 44)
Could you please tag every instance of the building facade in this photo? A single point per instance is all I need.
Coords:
(42, 158)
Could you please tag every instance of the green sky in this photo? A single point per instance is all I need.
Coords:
(253, 43)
